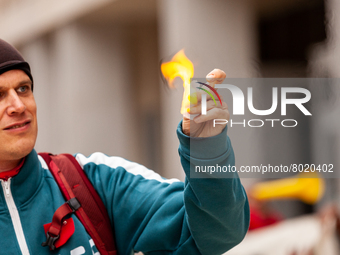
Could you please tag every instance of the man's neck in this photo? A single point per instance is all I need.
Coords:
(8, 165)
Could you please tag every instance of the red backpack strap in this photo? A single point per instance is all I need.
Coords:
(92, 213)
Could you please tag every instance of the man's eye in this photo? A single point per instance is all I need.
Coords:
(22, 89)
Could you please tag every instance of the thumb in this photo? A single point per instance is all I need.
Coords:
(216, 76)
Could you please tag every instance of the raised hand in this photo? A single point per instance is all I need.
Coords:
(202, 125)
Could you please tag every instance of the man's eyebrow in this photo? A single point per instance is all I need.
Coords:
(25, 81)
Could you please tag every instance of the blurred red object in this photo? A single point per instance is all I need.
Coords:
(262, 215)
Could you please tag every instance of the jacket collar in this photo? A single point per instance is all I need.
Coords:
(28, 181)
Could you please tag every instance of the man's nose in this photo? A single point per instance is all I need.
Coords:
(16, 106)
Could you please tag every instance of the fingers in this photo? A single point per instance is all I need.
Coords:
(214, 113)
(216, 76)
(210, 105)
(212, 101)
(215, 107)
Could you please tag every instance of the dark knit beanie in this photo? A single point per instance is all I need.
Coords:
(11, 59)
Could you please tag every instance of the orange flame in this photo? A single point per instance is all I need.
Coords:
(179, 66)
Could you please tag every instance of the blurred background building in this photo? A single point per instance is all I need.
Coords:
(97, 81)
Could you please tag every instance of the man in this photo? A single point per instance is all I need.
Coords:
(149, 214)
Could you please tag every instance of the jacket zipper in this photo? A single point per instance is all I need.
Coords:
(6, 186)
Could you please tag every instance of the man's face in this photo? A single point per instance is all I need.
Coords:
(18, 116)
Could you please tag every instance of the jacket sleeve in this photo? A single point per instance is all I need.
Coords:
(159, 216)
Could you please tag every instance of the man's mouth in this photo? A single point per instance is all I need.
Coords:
(18, 125)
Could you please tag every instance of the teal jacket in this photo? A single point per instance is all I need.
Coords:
(150, 214)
